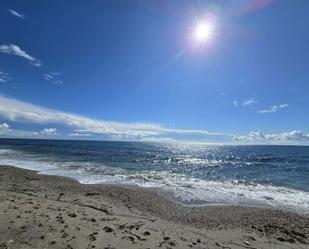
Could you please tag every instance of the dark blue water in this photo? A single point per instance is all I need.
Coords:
(193, 173)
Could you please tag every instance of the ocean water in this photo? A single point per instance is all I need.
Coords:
(276, 176)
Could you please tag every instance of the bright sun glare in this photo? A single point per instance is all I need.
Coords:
(204, 31)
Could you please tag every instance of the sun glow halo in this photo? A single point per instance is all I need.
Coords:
(204, 32)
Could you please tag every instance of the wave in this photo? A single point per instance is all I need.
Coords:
(190, 190)
(181, 187)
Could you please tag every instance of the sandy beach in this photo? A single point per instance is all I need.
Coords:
(40, 211)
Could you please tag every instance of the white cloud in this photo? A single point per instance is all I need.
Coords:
(160, 139)
(294, 135)
(4, 77)
(18, 111)
(248, 102)
(4, 127)
(48, 131)
(42, 133)
(12, 110)
(80, 134)
(15, 50)
(17, 14)
(274, 108)
(252, 136)
(5, 131)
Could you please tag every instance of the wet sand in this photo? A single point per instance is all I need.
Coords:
(39, 211)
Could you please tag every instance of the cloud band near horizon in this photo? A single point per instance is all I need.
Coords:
(19, 112)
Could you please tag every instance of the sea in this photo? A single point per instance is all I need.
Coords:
(190, 173)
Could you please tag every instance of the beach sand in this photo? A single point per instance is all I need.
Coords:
(39, 211)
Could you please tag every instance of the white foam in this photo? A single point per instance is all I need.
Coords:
(29, 164)
(22, 160)
(4, 152)
(192, 190)
(186, 188)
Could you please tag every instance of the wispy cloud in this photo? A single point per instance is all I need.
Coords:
(160, 139)
(295, 135)
(246, 102)
(17, 14)
(15, 111)
(53, 77)
(47, 76)
(18, 111)
(76, 134)
(274, 108)
(249, 101)
(6, 131)
(15, 50)
(57, 82)
(55, 73)
(4, 77)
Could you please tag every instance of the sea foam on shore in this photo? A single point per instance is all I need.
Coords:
(273, 176)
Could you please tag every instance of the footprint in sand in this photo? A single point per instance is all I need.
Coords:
(108, 229)
(92, 237)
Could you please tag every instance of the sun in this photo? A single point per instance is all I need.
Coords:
(204, 32)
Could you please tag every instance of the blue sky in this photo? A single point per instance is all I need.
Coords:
(129, 70)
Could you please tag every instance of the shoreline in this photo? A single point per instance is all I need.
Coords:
(122, 207)
(170, 195)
